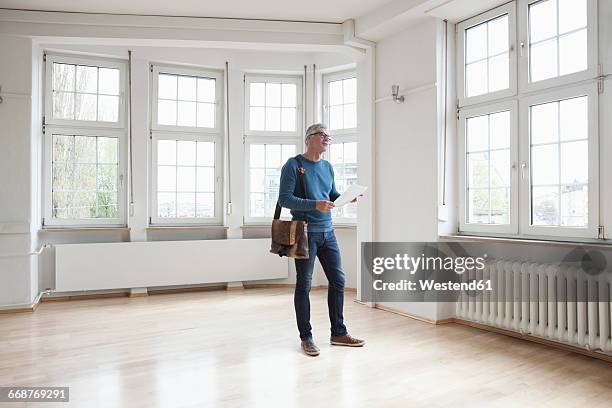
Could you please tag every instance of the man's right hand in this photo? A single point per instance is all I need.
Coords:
(324, 206)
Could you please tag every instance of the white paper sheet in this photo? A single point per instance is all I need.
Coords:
(350, 194)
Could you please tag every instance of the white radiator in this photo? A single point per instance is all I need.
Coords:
(122, 265)
(533, 299)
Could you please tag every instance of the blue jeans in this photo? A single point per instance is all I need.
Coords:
(324, 246)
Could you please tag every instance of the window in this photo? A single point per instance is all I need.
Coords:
(488, 60)
(187, 146)
(529, 154)
(273, 134)
(340, 108)
(273, 105)
(559, 41)
(84, 137)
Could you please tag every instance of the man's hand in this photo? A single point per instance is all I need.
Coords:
(324, 206)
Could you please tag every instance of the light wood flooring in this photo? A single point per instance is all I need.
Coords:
(241, 349)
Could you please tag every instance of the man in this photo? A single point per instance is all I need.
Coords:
(316, 211)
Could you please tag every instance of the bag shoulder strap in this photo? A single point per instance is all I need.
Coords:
(302, 191)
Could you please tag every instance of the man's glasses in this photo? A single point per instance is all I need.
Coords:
(323, 135)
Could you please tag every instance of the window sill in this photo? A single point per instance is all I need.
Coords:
(76, 229)
(185, 227)
(269, 225)
(559, 242)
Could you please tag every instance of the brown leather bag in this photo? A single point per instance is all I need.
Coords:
(289, 238)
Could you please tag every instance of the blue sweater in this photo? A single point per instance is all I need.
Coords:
(320, 185)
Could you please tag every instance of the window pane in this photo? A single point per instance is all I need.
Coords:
(499, 125)
(499, 73)
(109, 81)
(108, 108)
(543, 62)
(166, 178)
(166, 112)
(288, 151)
(350, 116)
(84, 149)
(63, 105)
(167, 86)
(574, 206)
(206, 153)
(86, 107)
(166, 205)
(107, 150)
(498, 35)
(573, 52)
(273, 94)
(206, 179)
(206, 115)
(63, 77)
(205, 205)
(83, 205)
(187, 89)
(86, 79)
(288, 119)
(257, 155)
(574, 118)
(350, 90)
(478, 170)
(63, 176)
(185, 205)
(107, 205)
(542, 20)
(257, 118)
(186, 153)
(273, 119)
(257, 180)
(500, 168)
(335, 93)
(478, 206)
(186, 113)
(475, 78)
(185, 179)
(166, 152)
(273, 156)
(572, 15)
(63, 148)
(85, 177)
(206, 90)
(336, 153)
(544, 123)
(258, 94)
(545, 206)
(350, 152)
(545, 165)
(500, 206)
(289, 95)
(335, 117)
(107, 177)
(476, 43)
(477, 133)
(256, 205)
(575, 162)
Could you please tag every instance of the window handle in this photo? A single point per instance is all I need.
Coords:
(121, 181)
(523, 167)
(522, 47)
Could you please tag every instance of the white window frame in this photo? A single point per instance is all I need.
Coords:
(283, 79)
(591, 231)
(465, 114)
(510, 10)
(251, 140)
(91, 61)
(340, 135)
(523, 35)
(83, 128)
(201, 73)
(188, 133)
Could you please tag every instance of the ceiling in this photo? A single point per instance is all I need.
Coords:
(335, 11)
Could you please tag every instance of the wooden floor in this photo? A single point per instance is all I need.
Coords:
(240, 349)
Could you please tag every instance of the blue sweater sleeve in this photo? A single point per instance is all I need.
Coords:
(288, 181)
(333, 194)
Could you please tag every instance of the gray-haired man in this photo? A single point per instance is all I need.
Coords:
(315, 210)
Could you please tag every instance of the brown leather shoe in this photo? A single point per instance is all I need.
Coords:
(346, 340)
(310, 348)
